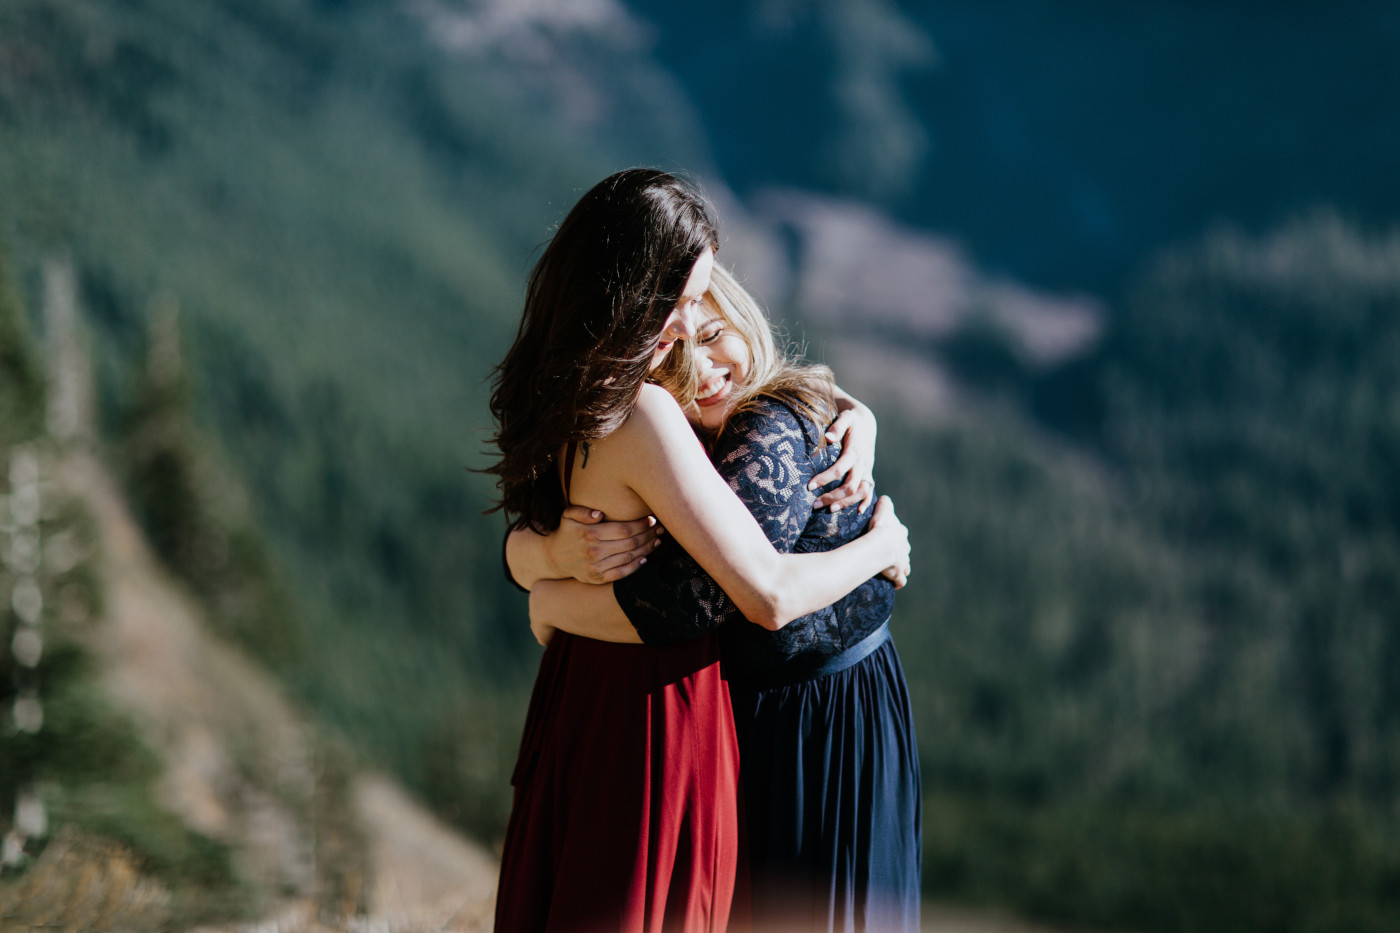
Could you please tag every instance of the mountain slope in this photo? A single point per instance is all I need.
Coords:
(242, 766)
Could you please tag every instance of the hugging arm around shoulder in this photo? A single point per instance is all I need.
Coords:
(767, 456)
(749, 562)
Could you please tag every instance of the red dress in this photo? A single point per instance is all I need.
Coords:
(626, 793)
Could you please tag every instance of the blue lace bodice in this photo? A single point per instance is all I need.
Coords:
(767, 455)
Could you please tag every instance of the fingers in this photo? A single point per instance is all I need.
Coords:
(626, 570)
(847, 494)
(583, 516)
(839, 498)
(606, 568)
(898, 575)
(836, 471)
(867, 496)
(840, 426)
(857, 486)
(616, 531)
(605, 553)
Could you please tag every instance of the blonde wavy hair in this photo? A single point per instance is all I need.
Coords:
(774, 372)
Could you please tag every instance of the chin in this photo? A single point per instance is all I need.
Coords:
(713, 419)
(704, 422)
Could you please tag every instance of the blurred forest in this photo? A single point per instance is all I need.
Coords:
(1151, 635)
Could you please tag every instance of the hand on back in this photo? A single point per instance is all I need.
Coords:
(591, 550)
(886, 524)
(855, 430)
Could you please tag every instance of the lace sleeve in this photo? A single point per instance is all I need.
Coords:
(766, 457)
(671, 598)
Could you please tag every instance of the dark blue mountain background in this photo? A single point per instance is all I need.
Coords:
(1060, 142)
(1122, 281)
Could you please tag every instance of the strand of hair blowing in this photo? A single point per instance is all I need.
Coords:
(595, 304)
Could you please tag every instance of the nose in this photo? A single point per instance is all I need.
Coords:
(681, 324)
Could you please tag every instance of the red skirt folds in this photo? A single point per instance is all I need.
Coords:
(626, 793)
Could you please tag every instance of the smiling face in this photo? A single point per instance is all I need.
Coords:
(724, 364)
(683, 321)
(733, 361)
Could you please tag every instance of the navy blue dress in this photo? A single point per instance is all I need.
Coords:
(828, 762)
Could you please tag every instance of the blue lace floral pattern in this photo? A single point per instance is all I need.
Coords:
(767, 455)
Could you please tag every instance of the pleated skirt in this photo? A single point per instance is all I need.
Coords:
(832, 797)
(626, 814)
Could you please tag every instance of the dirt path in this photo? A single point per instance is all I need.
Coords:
(424, 872)
(206, 708)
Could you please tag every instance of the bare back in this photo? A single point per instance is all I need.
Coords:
(599, 478)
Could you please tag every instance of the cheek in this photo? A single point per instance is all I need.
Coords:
(740, 361)
(671, 325)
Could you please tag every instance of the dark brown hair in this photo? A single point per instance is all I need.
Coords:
(594, 308)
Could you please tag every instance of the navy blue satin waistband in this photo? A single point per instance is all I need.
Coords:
(803, 669)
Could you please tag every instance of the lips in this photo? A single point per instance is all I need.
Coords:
(714, 390)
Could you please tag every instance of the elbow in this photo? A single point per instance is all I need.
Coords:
(770, 611)
(540, 603)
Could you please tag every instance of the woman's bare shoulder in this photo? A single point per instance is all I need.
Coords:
(655, 419)
(656, 412)
(653, 400)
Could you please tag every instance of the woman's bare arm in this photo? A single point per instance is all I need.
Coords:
(588, 549)
(580, 608)
(855, 428)
(660, 459)
(594, 611)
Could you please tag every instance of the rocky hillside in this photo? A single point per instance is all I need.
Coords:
(155, 774)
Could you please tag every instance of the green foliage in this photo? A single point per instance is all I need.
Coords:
(1154, 666)
(99, 774)
(87, 762)
(21, 383)
(468, 757)
(319, 193)
(1151, 586)
(1218, 865)
(194, 516)
(1270, 451)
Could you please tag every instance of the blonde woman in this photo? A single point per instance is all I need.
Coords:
(828, 760)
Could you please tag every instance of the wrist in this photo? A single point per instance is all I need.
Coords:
(893, 545)
(551, 563)
(878, 548)
(537, 603)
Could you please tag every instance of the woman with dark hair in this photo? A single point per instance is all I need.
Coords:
(826, 744)
(625, 815)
